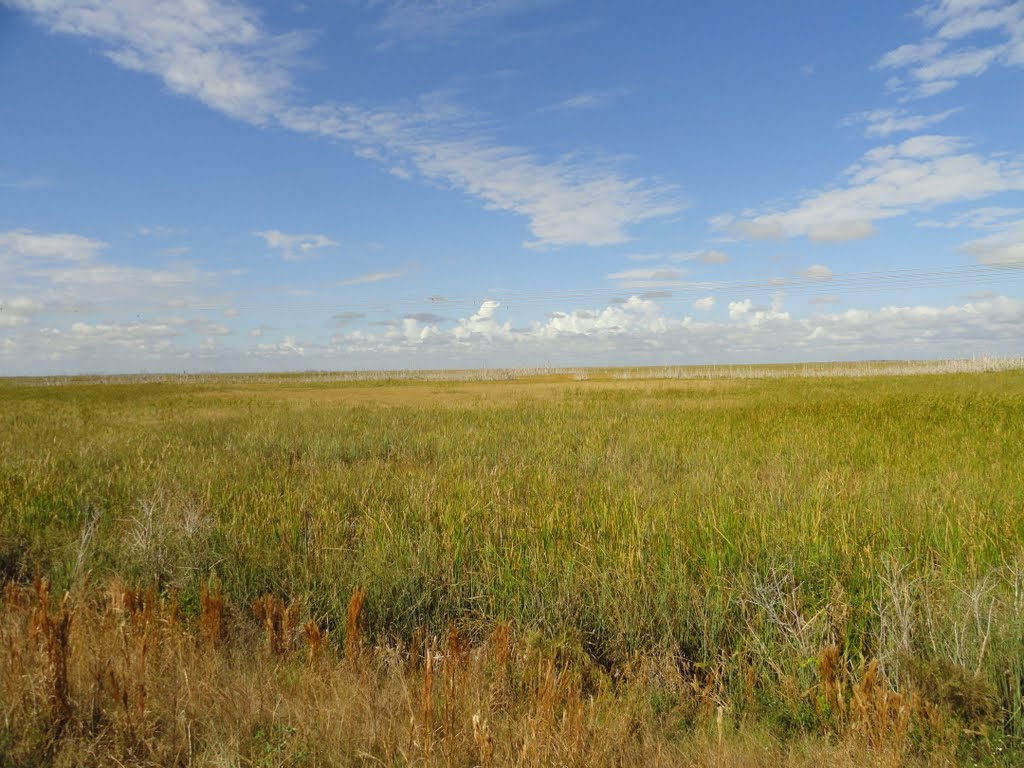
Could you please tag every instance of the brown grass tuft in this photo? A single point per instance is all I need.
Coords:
(879, 714)
(832, 675)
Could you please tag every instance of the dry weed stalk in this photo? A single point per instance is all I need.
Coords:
(141, 632)
(139, 606)
(832, 674)
(353, 630)
(546, 690)
(457, 677)
(279, 622)
(15, 598)
(897, 604)
(123, 649)
(427, 701)
(556, 730)
(501, 649)
(484, 741)
(316, 641)
(501, 645)
(708, 684)
(53, 632)
(16, 601)
(418, 642)
(211, 613)
(838, 611)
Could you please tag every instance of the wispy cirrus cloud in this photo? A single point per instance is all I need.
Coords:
(567, 200)
(217, 52)
(373, 277)
(295, 247)
(434, 22)
(567, 203)
(884, 122)
(221, 53)
(964, 39)
(28, 182)
(341, 319)
(158, 230)
(648, 277)
(653, 279)
(918, 174)
(1004, 248)
(985, 217)
(702, 256)
(587, 100)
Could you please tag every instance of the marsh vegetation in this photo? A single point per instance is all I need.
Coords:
(545, 570)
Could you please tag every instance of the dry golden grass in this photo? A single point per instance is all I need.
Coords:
(117, 678)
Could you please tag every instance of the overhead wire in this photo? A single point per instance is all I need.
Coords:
(856, 282)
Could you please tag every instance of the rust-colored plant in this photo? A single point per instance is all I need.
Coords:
(832, 676)
(353, 625)
(279, 622)
(53, 632)
(211, 613)
(316, 640)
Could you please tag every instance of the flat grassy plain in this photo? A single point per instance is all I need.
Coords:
(588, 568)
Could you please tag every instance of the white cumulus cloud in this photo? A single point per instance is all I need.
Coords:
(18, 311)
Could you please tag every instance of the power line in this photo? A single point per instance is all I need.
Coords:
(855, 282)
(879, 281)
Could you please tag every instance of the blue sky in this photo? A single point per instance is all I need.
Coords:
(218, 185)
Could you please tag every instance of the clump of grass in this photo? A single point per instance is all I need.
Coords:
(971, 698)
(879, 714)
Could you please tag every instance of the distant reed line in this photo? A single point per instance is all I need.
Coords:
(977, 364)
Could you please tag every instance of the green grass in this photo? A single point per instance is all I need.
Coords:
(732, 523)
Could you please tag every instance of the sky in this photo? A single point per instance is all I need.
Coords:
(218, 185)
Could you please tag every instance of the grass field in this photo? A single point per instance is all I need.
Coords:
(578, 568)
